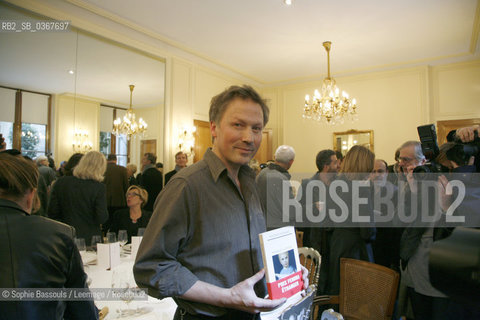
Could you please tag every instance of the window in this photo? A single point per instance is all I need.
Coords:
(109, 143)
(24, 120)
(33, 139)
(6, 129)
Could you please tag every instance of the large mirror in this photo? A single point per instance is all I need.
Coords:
(343, 141)
(74, 81)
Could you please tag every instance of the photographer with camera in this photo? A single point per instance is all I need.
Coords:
(468, 138)
(454, 260)
(427, 302)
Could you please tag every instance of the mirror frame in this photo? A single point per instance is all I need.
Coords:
(351, 132)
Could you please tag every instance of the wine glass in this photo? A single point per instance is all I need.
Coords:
(95, 239)
(82, 248)
(122, 237)
(123, 281)
(111, 237)
(140, 232)
(80, 243)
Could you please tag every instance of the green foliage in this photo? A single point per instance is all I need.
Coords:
(105, 142)
(30, 140)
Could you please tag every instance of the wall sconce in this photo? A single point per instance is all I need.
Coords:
(80, 143)
(186, 140)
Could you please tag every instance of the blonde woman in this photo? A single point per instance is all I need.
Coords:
(352, 241)
(133, 217)
(80, 200)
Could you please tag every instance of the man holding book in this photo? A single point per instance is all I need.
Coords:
(201, 246)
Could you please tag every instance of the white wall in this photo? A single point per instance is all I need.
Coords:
(391, 103)
(456, 91)
(192, 87)
(74, 114)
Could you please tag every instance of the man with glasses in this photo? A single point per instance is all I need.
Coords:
(427, 302)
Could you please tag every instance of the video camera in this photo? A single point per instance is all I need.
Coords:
(459, 153)
(428, 139)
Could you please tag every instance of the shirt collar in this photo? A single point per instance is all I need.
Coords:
(178, 168)
(11, 204)
(274, 166)
(148, 166)
(217, 167)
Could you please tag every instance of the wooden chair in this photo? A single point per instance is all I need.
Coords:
(311, 260)
(367, 291)
(299, 235)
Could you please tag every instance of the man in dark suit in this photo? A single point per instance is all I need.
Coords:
(181, 160)
(116, 182)
(151, 179)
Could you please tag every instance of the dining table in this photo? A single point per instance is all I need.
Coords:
(102, 279)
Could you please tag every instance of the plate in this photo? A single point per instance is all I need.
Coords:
(127, 248)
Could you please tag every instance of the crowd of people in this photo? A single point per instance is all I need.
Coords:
(400, 245)
(201, 242)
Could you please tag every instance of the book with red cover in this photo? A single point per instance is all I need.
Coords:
(283, 272)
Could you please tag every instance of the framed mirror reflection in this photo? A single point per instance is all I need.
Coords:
(343, 141)
(84, 79)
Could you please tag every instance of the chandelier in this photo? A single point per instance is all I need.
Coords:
(81, 143)
(329, 106)
(186, 140)
(129, 126)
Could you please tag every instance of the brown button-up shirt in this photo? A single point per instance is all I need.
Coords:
(204, 227)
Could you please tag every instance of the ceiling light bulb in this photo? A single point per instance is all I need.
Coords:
(288, 2)
(71, 71)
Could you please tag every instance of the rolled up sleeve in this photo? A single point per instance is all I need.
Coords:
(159, 266)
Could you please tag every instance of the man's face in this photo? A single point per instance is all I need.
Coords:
(181, 160)
(333, 166)
(283, 257)
(407, 160)
(238, 134)
(145, 161)
(379, 174)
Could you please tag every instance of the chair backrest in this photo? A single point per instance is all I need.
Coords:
(311, 260)
(367, 290)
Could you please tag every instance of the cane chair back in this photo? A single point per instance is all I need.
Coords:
(367, 291)
(311, 260)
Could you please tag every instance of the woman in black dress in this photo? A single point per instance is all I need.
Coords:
(353, 242)
(133, 217)
(80, 200)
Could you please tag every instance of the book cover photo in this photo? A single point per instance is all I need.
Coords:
(283, 272)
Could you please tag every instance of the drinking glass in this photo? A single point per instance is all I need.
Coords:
(82, 248)
(122, 280)
(122, 237)
(111, 237)
(80, 243)
(140, 232)
(95, 239)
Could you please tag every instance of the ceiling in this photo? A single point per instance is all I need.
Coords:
(264, 40)
(274, 43)
(102, 69)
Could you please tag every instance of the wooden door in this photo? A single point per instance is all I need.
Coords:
(203, 139)
(444, 127)
(265, 153)
(148, 146)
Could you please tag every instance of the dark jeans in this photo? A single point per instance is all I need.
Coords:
(231, 315)
(426, 307)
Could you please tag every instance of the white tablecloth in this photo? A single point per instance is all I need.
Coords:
(100, 278)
